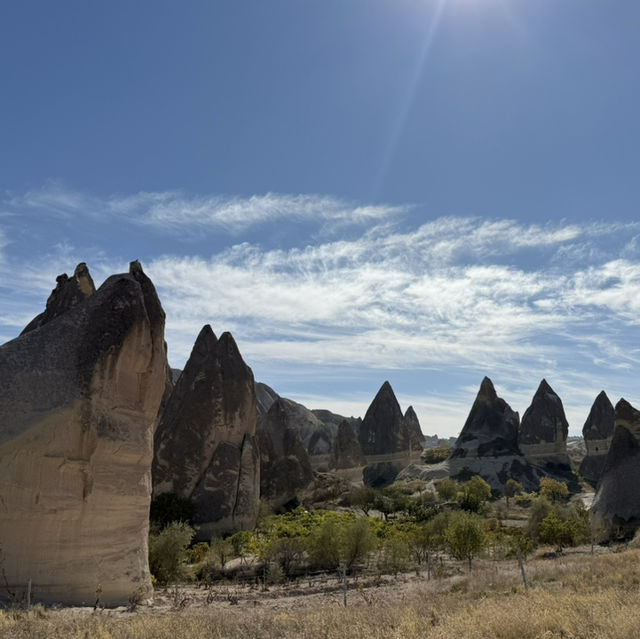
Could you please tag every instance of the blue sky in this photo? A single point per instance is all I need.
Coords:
(425, 191)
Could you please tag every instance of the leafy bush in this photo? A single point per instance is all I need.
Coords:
(526, 499)
(553, 489)
(197, 553)
(394, 554)
(435, 455)
(167, 552)
(447, 489)
(475, 493)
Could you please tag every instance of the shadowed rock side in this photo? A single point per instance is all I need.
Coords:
(416, 438)
(615, 512)
(79, 395)
(285, 468)
(205, 446)
(543, 436)
(597, 432)
(488, 442)
(346, 452)
(317, 429)
(383, 434)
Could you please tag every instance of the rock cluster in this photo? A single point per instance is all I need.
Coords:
(79, 395)
(205, 444)
(346, 451)
(615, 512)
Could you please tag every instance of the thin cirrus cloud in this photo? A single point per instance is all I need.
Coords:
(172, 211)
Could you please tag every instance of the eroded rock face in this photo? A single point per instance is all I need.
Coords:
(597, 432)
(79, 395)
(615, 512)
(68, 292)
(346, 452)
(384, 439)
(285, 468)
(544, 427)
(543, 436)
(413, 427)
(488, 442)
(205, 446)
(491, 429)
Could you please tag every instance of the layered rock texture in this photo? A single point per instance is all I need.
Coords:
(79, 394)
(597, 432)
(416, 438)
(488, 442)
(205, 444)
(346, 451)
(543, 436)
(615, 512)
(384, 439)
(285, 468)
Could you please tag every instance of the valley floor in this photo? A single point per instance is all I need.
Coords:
(576, 595)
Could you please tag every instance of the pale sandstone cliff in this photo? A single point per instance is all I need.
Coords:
(78, 400)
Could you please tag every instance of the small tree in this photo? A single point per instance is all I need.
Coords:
(512, 488)
(394, 554)
(221, 550)
(465, 537)
(447, 489)
(553, 489)
(323, 545)
(475, 493)
(167, 552)
(356, 542)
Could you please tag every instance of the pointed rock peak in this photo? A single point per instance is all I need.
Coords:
(487, 389)
(228, 345)
(135, 268)
(545, 389)
(603, 400)
(206, 340)
(624, 410)
(411, 414)
(84, 279)
(385, 390)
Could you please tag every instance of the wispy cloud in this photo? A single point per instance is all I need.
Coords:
(474, 296)
(171, 211)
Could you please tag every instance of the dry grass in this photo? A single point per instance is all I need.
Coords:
(577, 596)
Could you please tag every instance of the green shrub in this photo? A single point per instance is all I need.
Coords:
(435, 455)
(447, 489)
(167, 552)
(553, 489)
(394, 554)
(197, 553)
(465, 536)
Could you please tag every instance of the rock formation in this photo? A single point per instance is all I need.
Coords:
(265, 396)
(68, 292)
(346, 451)
(79, 395)
(597, 432)
(488, 442)
(205, 446)
(543, 436)
(615, 512)
(384, 436)
(416, 438)
(285, 468)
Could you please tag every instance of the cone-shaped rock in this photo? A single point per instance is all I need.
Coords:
(384, 436)
(383, 430)
(205, 446)
(416, 438)
(491, 429)
(78, 402)
(346, 452)
(597, 432)
(285, 468)
(543, 436)
(615, 512)
(544, 427)
(488, 443)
